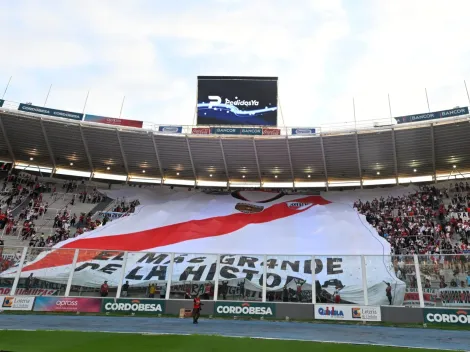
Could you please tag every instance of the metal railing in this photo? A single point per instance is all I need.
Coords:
(414, 280)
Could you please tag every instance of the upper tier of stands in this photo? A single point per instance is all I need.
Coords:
(385, 155)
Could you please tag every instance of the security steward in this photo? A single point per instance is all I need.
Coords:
(197, 308)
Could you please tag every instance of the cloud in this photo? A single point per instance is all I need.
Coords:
(324, 52)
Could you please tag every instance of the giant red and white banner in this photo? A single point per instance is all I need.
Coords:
(241, 227)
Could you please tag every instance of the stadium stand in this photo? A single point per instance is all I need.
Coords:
(44, 214)
(433, 223)
(421, 222)
(431, 220)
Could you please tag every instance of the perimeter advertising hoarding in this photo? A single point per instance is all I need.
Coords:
(113, 121)
(16, 303)
(50, 112)
(136, 306)
(303, 131)
(347, 312)
(236, 130)
(245, 309)
(271, 132)
(201, 130)
(247, 101)
(67, 304)
(432, 115)
(170, 129)
(447, 316)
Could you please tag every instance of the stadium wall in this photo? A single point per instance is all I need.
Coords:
(173, 307)
(228, 309)
(296, 311)
(402, 315)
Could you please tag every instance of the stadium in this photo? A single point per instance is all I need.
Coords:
(234, 175)
(249, 223)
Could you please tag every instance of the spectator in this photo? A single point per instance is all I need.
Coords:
(151, 291)
(125, 289)
(104, 290)
(388, 293)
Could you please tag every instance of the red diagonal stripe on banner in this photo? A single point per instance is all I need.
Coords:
(170, 234)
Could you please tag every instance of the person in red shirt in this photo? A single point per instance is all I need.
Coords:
(104, 289)
(196, 309)
(337, 295)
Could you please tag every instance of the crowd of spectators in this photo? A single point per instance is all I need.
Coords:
(21, 189)
(433, 222)
(68, 224)
(27, 192)
(15, 190)
(420, 223)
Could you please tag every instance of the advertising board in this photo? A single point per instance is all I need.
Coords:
(249, 101)
(136, 306)
(271, 132)
(50, 112)
(201, 130)
(245, 309)
(447, 316)
(303, 131)
(67, 304)
(237, 131)
(170, 129)
(16, 303)
(347, 312)
(432, 115)
(113, 121)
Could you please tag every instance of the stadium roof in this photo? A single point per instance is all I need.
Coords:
(417, 151)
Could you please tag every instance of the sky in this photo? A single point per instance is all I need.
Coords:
(325, 52)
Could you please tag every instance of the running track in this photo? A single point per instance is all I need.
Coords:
(357, 334)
